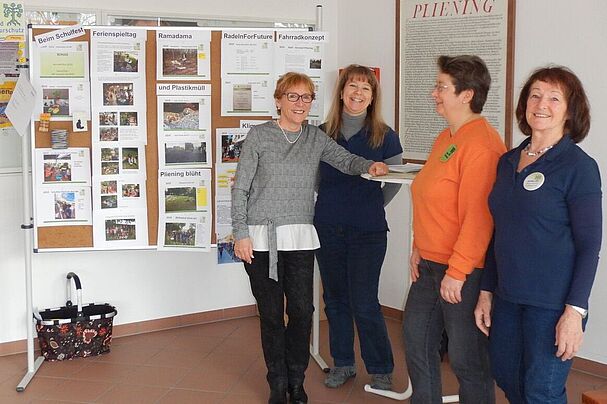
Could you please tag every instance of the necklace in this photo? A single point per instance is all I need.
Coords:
(285, 134)
(536, 153)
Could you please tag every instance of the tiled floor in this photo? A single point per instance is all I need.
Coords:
(211, 363)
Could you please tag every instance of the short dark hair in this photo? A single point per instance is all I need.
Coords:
(577, 124)
(469, 72)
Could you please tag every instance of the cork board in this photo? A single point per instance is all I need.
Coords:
(54, 237)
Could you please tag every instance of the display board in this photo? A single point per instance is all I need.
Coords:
(153, 121)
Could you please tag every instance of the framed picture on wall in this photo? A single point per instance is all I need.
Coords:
(426, 30)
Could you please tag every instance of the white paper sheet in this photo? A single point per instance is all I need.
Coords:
(247, 96)
(246, 52)
(62, 60)
(228, 143)
(119, 229)
(70, 165)
(63, 205)
(299, 52)
(184, 127)
(21, 105)
(119, 161)
(119, 194)
(61, 97)
(184, 207)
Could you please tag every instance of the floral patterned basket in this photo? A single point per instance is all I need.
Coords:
(75, 331)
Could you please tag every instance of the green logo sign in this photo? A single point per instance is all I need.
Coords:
(448, 153)
(12, 11)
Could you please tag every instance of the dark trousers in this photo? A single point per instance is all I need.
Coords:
(523, 354)
(285, 349)
(426, 315)
(350, 262)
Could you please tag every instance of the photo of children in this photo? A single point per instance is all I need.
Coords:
(130, 190)
(110, 168)
(225, 250)
(57, 168)
(108, 118)
(130, 158)
(128, 118)
(125, 62)
(180, 234)
(182, 199)
(230, 149)
(108, 134)
(179, 62)
(65, 205)
(185, 153)
(181, 116)
(109, 187)
(56, 101)
(109, 201)
(109, 154)
(120, 229)
(117, 93)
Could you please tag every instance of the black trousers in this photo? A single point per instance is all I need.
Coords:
(285, 349)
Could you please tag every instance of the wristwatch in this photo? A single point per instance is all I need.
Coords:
(583, 312)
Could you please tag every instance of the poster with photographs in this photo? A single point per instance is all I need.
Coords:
(121, 194)
(183, 55)
(118, 93)
(119, 112)
(184, 124)
(117, 53)
(117, 228)
(184, 208)
(63, 205)
(229, 143)
(70, 165)
(119, 160)
(61, 98)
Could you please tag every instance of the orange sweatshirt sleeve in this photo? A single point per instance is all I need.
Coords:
(476, 223)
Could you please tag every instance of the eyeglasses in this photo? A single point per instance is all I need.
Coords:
(294, 97)
(441, 87)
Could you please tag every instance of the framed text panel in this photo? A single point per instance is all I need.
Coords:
(426, 30)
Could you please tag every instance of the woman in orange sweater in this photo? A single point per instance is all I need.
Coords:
(452, 227)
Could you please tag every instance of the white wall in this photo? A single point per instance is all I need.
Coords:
(547, 31)
(146, 285)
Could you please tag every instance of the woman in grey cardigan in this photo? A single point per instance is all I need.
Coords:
(272, 215)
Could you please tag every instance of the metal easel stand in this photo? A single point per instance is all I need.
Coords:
(28, 228)
(315, 344)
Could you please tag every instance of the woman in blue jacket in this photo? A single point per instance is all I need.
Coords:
(351, 225)
(546, 204)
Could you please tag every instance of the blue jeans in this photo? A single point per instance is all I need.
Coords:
(522, 352)
(350, 261)
(426, 316)
(286, 350)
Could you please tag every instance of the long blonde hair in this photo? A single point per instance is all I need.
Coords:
(373, 121)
